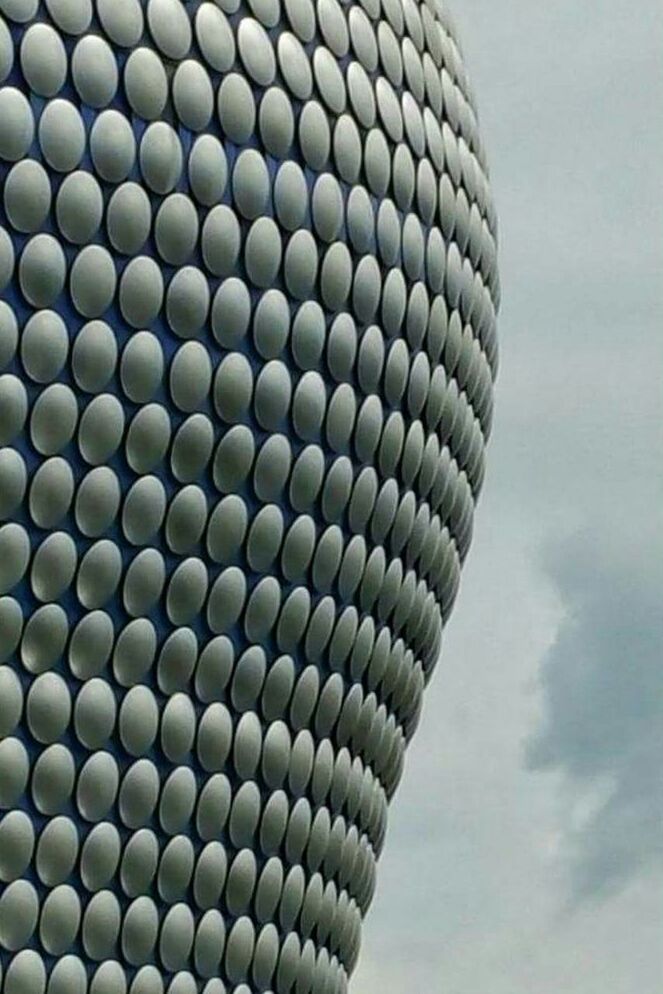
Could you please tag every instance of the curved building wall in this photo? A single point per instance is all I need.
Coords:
(247, 345)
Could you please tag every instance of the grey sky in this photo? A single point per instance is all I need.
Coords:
(524, 852)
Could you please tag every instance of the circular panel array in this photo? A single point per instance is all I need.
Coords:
(247, 347)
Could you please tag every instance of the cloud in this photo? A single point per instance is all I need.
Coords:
(602, 688)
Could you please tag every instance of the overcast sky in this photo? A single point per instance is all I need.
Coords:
(525, 848)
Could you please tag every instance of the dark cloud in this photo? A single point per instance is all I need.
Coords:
(602, 687)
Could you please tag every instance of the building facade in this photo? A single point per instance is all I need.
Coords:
(247, 351)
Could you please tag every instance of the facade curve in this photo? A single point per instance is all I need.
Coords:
(247, 352)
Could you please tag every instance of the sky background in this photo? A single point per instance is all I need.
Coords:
(525, 847)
